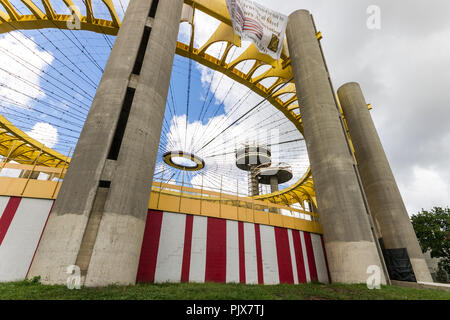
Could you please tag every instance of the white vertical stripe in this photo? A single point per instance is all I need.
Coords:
(251, 266)
(232, 252)
(171, 245)
(293, 260)
(269, 255)
(198, 250)
(3, 203)
(23, 235)
(305, 257)
(319, 257)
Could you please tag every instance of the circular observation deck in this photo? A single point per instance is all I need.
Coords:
(249, 157)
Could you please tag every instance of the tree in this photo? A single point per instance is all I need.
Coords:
(433, 232)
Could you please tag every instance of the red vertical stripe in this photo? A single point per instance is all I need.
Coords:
(241, 252)
(283, 255)
(43, 229)
(187, 249)
(8, 215)
(259, 254)
(216, 250)
(310, 254)
(301, 272)
(326, 259)
(150, 244)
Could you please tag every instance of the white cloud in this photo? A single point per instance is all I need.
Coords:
(236, 100)
(258, 127)
(404, 72)
(15, 77)
(215, 145)
(427, 189)
(44, 133)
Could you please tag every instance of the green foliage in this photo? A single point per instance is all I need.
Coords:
(441, 275)
(433, 232)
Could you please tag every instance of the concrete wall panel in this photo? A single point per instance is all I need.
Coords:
(198, 250)
(251, 273)
(319, 258)
(171, 245)
(269, 255)
(305, 256)
(294, 261)
(232, 252)
(22, 237)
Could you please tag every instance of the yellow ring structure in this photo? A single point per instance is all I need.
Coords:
(280, 70)
(168, 158)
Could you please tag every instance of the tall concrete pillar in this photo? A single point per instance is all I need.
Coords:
(274, 188)
(98, 219)
(349, 240)
(384, 198)
(273, 183)
(254, 183)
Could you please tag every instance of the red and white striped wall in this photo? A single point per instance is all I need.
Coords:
(21, 223)
(180, 248)
(187, 248)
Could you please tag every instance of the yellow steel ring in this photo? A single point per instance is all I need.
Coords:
(168, 158)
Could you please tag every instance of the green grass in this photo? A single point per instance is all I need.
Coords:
(32, 290)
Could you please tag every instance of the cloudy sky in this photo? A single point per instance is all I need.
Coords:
(404, 71)
(403, 68)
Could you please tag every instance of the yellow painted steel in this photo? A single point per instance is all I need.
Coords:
(18, 146)
(174, 198)
(280, 71)
(168, 158)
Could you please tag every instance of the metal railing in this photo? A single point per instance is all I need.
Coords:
(218, 202)
(182, 197)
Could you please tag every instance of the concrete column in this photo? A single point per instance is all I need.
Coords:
(273, 183)
(254, 183)
(349, 240)
(98, 220)
(274, 188)
(384, 198)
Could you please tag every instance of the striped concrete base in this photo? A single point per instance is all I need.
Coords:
(21, 223)
(185, 248)
(180, 248)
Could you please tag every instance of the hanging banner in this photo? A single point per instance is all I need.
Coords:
(264, 27)
(187, 14)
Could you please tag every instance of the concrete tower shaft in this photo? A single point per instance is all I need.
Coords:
(99, 216)
(274, 184)
(349, 240)
(385, 201)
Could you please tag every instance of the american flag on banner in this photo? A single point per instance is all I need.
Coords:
(265, 28)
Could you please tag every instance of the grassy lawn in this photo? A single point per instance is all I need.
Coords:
(29, 290)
